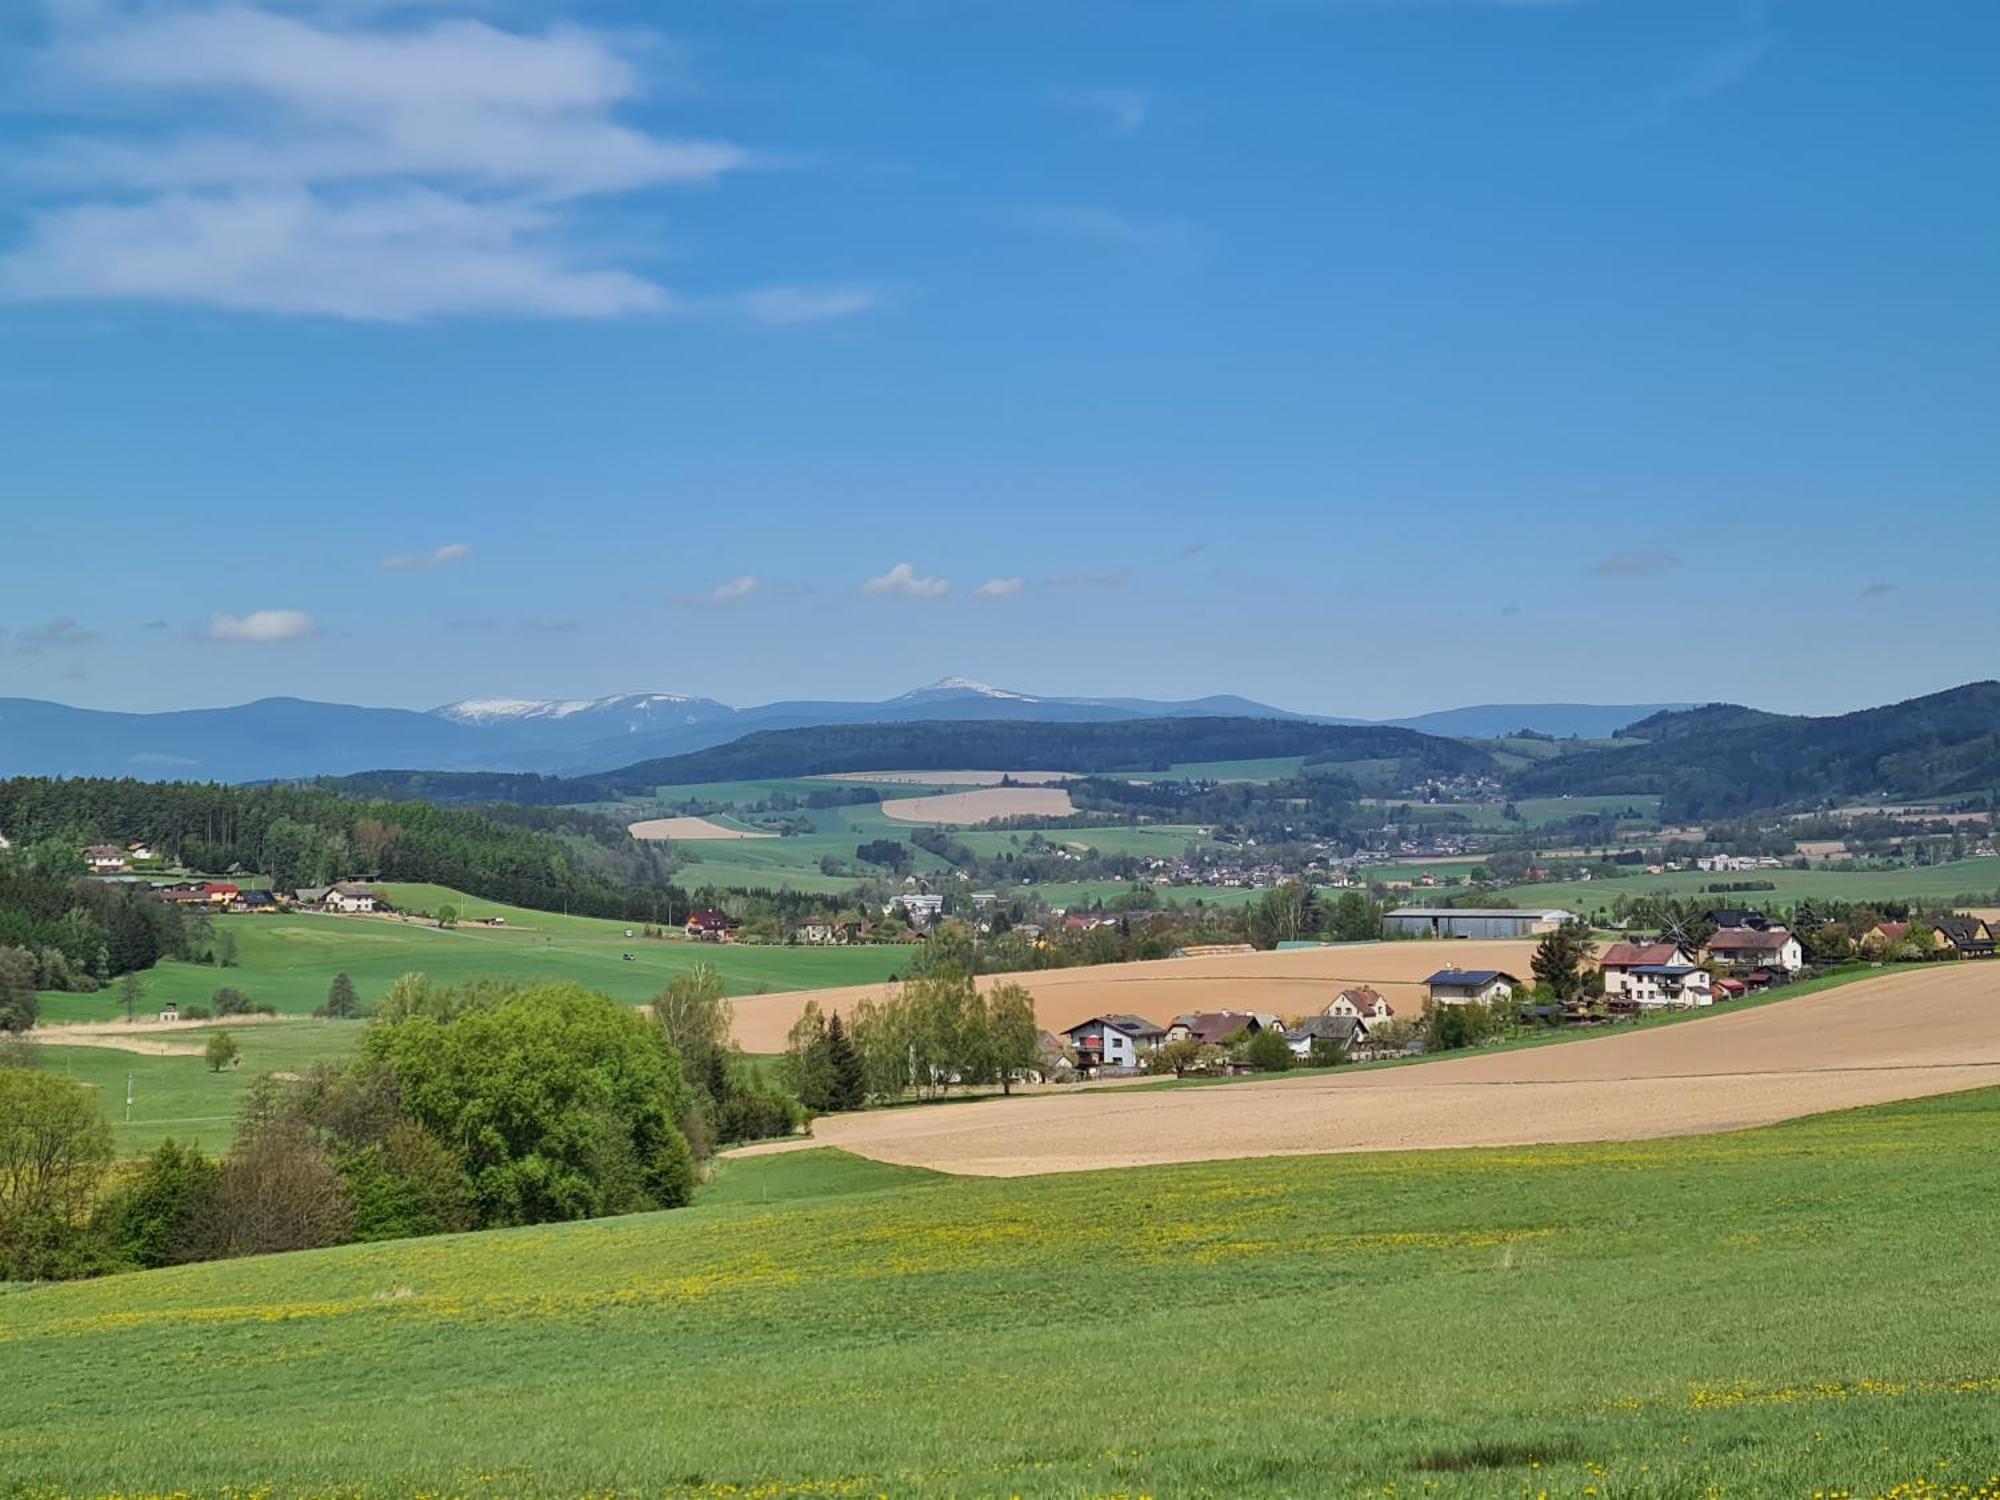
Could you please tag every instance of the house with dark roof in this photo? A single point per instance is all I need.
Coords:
(1736, 916)
(1120, 1041)
(1967, 937)
(1345, 1032)
(1471, 987)
(1217, 1026)
(709, 925)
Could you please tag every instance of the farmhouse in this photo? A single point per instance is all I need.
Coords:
(1362, 1003)
(1471, 987)
(818, 932)
(1113, 1041)
(1216, 1026)
(220, 892)
(1967, 937)
(1473, 921)
(254, 901)
(1345, 1032)
(1653, 976)
(1883, 936)
(1771, 948)
(105, 859)
(351, 898)
(709, 925)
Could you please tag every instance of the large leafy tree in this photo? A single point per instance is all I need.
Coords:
(561, 1103)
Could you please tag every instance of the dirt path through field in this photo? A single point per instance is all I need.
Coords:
(1902, 1036)
(1298, 983)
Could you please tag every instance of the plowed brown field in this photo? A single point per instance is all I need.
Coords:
(1929, 1031)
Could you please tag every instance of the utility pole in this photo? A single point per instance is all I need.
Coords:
(128, 1098)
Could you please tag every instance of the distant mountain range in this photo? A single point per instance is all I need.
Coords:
(291, 737)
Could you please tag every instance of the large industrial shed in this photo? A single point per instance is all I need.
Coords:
(1473, 921)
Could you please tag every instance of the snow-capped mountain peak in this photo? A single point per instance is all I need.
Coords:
(490, 711)
(959, 687)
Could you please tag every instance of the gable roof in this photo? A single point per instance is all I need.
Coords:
(1963, 930)
(1631, 955)
(1749, 940)
(1343, 1029)
(1469, 978)
(1132, 1026)
(1214, 1025)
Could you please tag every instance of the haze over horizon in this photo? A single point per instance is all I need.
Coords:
(1362, 359)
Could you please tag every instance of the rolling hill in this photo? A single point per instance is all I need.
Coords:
(1722, 760)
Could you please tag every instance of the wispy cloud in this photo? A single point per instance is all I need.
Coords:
(903, 581)
(1095, 225)
(999, 588)
(1102, 578)
(1123, 111)
(1715, 71)
(58, 634)
(416, 562)
(1877, 590)
(733, 591)
(261, 626)
(360, 159)
(1625, 564)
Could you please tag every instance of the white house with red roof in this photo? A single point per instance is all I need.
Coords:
(1654, 976)
(1745, 948)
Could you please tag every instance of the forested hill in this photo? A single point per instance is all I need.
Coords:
(1132, 745)
(1720, 761)
(554, 859)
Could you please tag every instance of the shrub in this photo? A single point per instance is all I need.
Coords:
(1268, 1052)
(54, 1148)
(755, 1115)
(150, 1219)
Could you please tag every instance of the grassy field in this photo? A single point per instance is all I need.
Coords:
(288, 961)
(178, 1096)
(1776, 1312)
(1928, 883)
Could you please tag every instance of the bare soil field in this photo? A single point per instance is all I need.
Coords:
(1930, 1031)
(982, 806)
(143, 1036)
(688, 830)
(1290, 984)
(952, 778)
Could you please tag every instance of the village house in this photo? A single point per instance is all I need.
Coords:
(105, 859)
(139, 851)
(1113, 1041)
(220, 892)
(709, 926)
(1748, 948)
(1471, 987)
(1213, 1027)
(1967, 937)
(1348, 1033)
(1473, 922)
(1363, 1003)
(351, 899)
(255, 902)
(309, 895)
(818, 932)
(1654, 976)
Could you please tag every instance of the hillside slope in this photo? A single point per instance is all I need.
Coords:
(819, 1326)
(1718, 761)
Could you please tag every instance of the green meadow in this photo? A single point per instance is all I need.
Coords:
(1797, 1310)
(289, 961)
(177, 1096)
(1926, 883)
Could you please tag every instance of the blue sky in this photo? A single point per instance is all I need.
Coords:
(1360, 357)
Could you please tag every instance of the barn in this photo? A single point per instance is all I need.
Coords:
(1487, 922)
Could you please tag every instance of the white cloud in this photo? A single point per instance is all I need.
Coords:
(261, 625)
(999, 588)
(410, 562)
(352, 162)
(904, 582)
(734, 591)
(1120, 110)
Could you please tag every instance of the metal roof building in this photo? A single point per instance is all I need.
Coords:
(1473, 921)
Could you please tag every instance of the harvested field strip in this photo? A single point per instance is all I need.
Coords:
(983, 806)
(1900, 1036)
